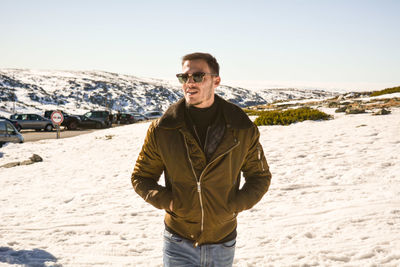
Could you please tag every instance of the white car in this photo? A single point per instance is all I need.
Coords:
(151, 115)
(138, 116)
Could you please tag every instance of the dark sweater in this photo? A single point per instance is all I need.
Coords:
(201, 119)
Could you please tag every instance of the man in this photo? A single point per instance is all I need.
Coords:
(110, 119)
(202, 143)
(119, 117)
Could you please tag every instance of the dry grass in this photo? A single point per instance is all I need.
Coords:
(331, 103)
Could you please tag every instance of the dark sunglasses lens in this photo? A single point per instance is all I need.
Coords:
(182, 78)
(198, 77)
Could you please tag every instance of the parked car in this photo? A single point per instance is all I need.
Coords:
(126, 118)
(33, 121)
(138, 116)
(153, 115)
(89, 123)
(70, 121)
(99, 115)
(8, 133)
(14, 122)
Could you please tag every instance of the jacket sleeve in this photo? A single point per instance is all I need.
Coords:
(256, 174)
(146, 174)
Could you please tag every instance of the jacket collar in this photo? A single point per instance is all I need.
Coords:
(234, 116)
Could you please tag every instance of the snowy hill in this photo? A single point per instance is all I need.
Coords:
(79, 91)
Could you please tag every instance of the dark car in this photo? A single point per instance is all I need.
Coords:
(8, 133)
(89, 123)
(70, 121)
(14, 122)
(33, 121)
(151, 115)
(99, 115)
(126, 118)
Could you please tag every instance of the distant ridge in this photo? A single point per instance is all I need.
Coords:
(79, 91)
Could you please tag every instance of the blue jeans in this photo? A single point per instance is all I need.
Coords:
(179, 252)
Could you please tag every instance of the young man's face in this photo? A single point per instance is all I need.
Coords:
(200, 95)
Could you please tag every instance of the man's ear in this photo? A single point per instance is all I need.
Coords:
(217, 81)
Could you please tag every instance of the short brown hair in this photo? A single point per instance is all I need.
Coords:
(211, 61)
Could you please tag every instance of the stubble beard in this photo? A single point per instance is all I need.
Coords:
(208, 97)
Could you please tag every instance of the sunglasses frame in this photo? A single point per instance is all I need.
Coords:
(184, 77)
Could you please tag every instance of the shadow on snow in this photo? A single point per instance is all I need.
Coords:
(29, 258)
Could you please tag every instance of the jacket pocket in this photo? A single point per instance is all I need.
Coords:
(185, 202)
(225, 217)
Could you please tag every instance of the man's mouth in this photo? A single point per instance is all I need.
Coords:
(190, 93)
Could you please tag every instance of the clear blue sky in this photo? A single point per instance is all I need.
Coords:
(318, 41)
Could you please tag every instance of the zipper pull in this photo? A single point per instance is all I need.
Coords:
(198, 187)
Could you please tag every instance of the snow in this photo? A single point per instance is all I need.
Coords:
(393, 95)
(334, 199)
(327, 86)
(5, 114)
(385, 96)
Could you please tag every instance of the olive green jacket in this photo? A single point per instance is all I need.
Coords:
(205, 194)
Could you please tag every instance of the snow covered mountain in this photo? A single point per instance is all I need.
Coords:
(23, 90)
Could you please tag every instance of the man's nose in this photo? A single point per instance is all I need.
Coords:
(190, 79)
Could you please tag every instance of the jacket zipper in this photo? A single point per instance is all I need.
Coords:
(198, 184)
(201, 175)
(259, 158)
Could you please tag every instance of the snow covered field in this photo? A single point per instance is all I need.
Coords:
(334, 199)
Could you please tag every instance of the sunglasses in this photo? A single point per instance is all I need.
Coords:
(198, 77)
